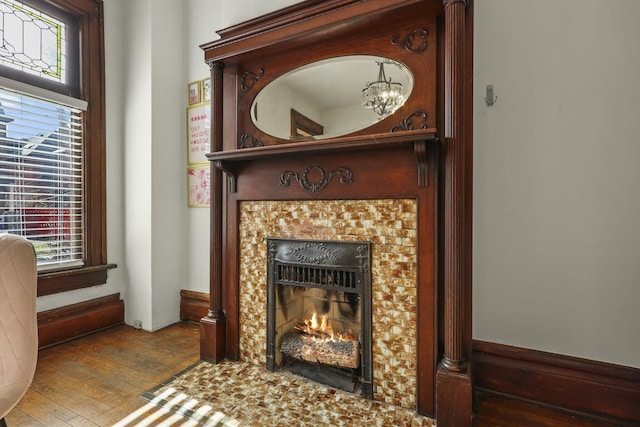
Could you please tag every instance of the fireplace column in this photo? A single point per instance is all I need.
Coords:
(453, 382)
(213, 326)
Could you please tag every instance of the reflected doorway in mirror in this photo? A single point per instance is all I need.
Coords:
(303, 128)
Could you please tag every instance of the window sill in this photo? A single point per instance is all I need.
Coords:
(67, 280)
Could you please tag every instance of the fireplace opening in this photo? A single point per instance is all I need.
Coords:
(319, 312)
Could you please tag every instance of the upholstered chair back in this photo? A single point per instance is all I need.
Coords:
(18, 319)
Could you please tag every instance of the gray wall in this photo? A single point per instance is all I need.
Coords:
(556, 265)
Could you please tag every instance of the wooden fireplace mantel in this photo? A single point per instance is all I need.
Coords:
(228, 161)
(430, 163)
(333, 145)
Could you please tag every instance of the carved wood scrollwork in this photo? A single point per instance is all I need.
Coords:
(316, 183)
(408, 124)
(248, 79)
(248, 141)
(416, 42)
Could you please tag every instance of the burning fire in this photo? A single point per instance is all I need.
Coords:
(317, 342)
(322, 330)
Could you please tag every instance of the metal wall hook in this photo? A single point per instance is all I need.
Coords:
(490, 99)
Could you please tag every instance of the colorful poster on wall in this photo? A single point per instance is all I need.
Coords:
(199, 187)
(198, 125)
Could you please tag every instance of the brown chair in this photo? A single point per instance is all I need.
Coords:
(18, 320)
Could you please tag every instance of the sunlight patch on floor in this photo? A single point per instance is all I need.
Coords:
(170, 408)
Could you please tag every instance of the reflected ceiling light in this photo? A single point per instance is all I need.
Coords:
(382, 96)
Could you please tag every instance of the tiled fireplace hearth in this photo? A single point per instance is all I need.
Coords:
(390, 225)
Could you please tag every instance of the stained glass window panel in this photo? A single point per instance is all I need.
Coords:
(32, 41)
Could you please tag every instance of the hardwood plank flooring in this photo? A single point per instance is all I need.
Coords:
(97, 380)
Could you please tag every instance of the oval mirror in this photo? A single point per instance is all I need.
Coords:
(333, 97)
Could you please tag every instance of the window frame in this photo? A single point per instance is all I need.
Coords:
(87, 84)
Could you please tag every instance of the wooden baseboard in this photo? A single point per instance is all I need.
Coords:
(594, 391)
(73, 321)
(193, 306)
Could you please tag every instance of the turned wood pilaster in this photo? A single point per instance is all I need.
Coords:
(213, 326)
(453, 381)
(455, 177)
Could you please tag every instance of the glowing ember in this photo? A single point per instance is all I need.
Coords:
(315, 341)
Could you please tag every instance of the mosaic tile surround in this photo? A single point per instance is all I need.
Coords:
(391, 226)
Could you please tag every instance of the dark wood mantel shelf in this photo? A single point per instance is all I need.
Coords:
(227, 161)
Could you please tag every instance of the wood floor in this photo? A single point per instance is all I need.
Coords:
(97, 380)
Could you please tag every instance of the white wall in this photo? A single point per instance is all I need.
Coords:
(236, 11)
(169, 242)
(556, 206)
(137, 160)
(156, 225)
(202, 19)
(168, 177)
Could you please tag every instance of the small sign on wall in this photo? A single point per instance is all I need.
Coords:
(198, 185)
(195, 92)
(206, 90)
(198, 125)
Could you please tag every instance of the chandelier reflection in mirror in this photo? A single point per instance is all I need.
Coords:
(382, 96)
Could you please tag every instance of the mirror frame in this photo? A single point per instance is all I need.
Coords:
(395, 37)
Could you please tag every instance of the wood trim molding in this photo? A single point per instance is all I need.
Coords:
(73, 321)
(595, 391)
(193, 305)
(67, 280)
(213, 325)
(455, 148)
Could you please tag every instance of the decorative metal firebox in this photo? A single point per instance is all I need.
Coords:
(319, 311)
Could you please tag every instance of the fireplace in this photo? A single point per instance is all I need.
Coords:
(319, 311)
(390, 225)
(401, 184)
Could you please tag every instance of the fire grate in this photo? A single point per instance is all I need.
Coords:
(324, 278)
(340, 268)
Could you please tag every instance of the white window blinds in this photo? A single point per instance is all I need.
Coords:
(41, 175)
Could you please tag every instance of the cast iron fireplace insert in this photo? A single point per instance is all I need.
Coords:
(319, 311)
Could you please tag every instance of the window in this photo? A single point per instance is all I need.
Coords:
(52, 169)
(41, 177)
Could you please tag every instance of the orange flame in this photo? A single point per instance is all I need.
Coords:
(322, 330)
